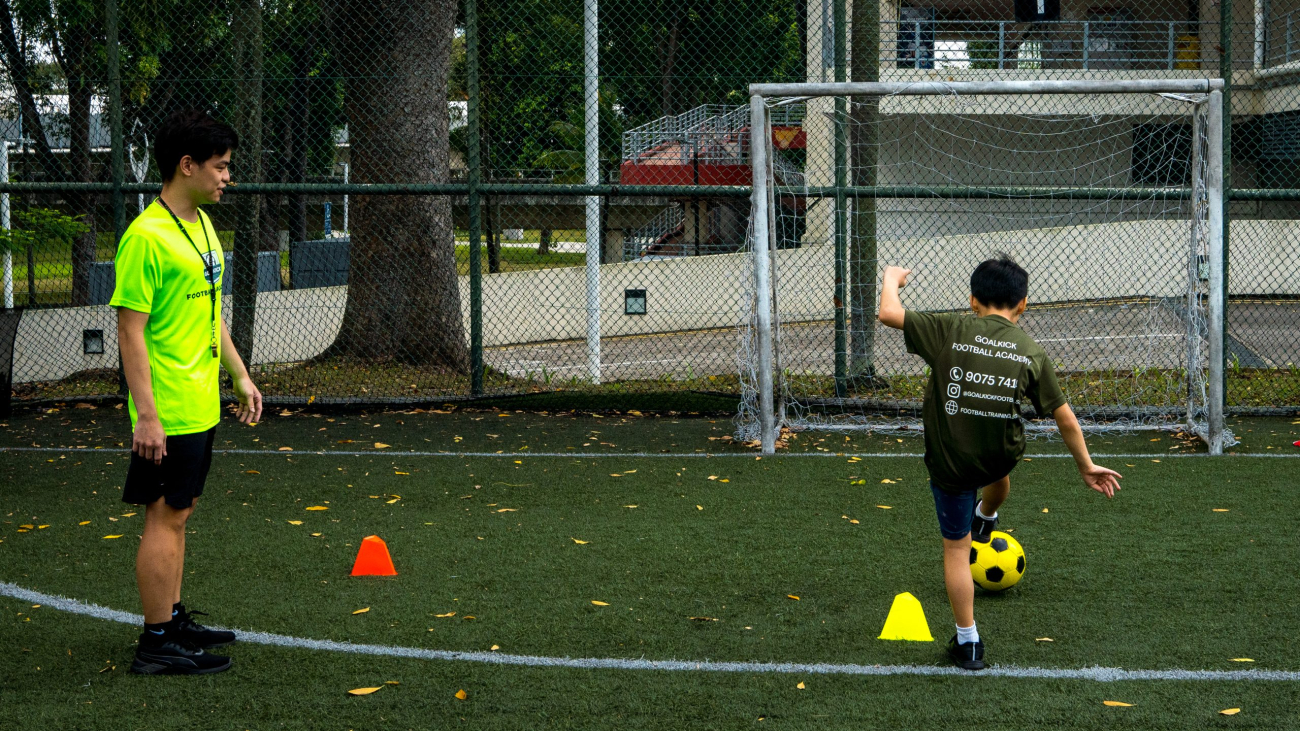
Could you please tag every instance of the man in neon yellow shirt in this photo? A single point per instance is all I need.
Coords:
(172, 339)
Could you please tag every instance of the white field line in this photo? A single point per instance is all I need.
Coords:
(639, 455)
(589, 663)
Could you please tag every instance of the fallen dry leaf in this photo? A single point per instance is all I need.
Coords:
(1044, 639)
(127, 515)
(392, 682)
(362, 611)
(84, 522)
(508, 510)
(886, 481)
(699, 507)
(494, 648)
(316, 535)
(1044, 510)
(801, 686)
(1229, 711)
(286, 449)
(629, 506)
(252, 472)
(295, 522)
(318, 507)
(461, 695)
(112, 537)
(390, 502)
(364, 691)
(713, 477)
(448, 614)
(855, 521)
(380, 445)
(792, 596)
(885, 507)
(599, 603)
(1118, 704)
(401, 473)
(580, 543)
(1219, 510)
(703, 619)
(1242, 659)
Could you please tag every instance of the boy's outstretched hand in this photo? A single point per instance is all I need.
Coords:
(1101, 479)
(897, 275)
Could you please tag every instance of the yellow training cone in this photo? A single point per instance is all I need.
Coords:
(906, 621)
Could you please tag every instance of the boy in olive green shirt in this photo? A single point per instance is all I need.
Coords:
(982, 368)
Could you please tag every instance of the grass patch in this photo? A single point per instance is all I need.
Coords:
(1115, 584)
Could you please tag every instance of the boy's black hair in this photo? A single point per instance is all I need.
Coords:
(190, 132)
(999, 282)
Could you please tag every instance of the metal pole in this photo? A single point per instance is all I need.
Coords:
(1214, 184)
(1224, 148)
(1171, 45)
(938, 88)
(762, 271)
(591, 118)
(1261, 14)
(475, 171)
(916, 46)
(1085, 45)
(1002, 45)
(117, 144)
(841, 202)
(347, 168)
(4, 223)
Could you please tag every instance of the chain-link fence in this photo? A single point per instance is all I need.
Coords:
(444, 200)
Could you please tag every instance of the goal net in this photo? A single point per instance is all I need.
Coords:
(1108, 193)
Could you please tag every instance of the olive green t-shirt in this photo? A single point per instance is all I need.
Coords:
(161, 274)
(981, 369)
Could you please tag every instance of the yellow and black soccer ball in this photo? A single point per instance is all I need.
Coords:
(998, 564)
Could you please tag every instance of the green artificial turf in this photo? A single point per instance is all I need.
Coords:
(1153, 579)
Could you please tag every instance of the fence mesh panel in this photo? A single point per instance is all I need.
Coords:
(363, 294)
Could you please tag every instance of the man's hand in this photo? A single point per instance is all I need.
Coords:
(1101, 479)
(149, 440)
(250, 401)
(897, 275)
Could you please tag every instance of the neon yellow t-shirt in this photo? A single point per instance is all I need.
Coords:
(159, 273)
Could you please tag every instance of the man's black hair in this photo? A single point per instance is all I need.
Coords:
(999, 282)
(190, 132)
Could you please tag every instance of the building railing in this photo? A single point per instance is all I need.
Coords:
(1282, 39)
(1088, 44)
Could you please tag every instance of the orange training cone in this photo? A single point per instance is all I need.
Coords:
(373, 559)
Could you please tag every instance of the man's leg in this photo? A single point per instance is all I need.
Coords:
(957, 579)
(160, 559)
(180, 565)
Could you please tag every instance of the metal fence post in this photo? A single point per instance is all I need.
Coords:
(841, 201)
(762, 271)
(472, 200)
(1225, 70)
(916, 45)
(591, 122)
(117, 159)
(8, 273)
(1002, 45)
(1085, 45)
(1171, 45)
(1214, 186)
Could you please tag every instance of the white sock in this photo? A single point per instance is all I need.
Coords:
(979, 510)
(967, 634)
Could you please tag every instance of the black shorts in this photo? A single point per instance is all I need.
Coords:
(180, 476)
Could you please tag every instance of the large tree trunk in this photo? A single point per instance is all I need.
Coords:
(78, 49)
(246, 29)
(668, 45)
(19, 75)
(299, 119)
(403, 294)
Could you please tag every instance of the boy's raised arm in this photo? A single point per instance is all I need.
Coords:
(891, 307)
(1102, 480)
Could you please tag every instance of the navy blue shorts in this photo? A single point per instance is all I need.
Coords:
(956, 510)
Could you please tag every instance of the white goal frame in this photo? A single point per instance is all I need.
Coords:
(762, 223)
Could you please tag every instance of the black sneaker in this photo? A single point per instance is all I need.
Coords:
(968, 656)
(175, 657)
(198, 635)
(981, 528)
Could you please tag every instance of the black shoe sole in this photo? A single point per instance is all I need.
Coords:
(970, 664)
(157, 668)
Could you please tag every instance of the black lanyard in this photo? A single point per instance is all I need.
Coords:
(208, 264)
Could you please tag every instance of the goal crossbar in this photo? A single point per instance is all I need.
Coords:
(939, 88)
